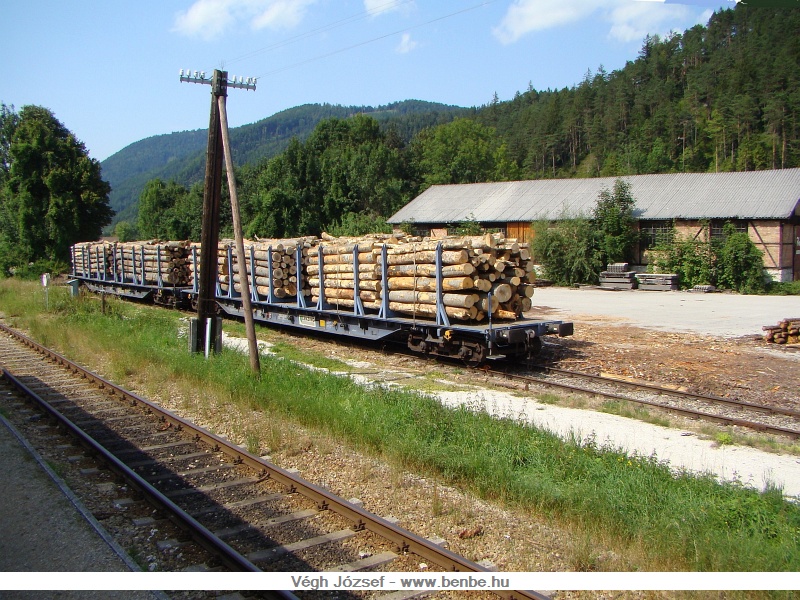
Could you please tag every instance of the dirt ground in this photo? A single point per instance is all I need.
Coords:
(746, 368)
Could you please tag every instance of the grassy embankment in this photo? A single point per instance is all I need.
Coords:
(668, 522)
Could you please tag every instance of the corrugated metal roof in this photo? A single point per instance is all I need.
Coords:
(742, 195)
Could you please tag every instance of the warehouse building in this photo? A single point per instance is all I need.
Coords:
(765, 204)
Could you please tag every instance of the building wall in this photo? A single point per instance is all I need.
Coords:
(779, 241)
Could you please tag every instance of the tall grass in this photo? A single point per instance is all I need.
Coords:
(674, 521)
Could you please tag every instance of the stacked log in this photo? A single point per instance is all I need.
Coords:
(337, 273)
(93, 259)
(471, 268)
(153, 262)
(283, 254)
(787, 331)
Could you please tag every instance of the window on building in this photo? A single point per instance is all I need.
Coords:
(656, 232)
(717, 227)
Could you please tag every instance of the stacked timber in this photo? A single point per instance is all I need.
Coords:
(787, 331)
(335, 272)
(282, 253)
(657, 281)
(472, 267)
(153, 262)
(617, 276)
(93, 259)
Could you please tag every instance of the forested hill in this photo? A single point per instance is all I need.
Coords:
(180, 156)
(717, 97)
(725, 96)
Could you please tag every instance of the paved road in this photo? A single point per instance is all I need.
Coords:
(715, 314)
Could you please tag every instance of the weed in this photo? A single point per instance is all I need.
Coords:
(724, 438)
(682, 521)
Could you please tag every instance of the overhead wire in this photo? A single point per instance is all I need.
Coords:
(363, 43)
(391, 4)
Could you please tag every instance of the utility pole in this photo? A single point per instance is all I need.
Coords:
(207, 322)
(241, 258)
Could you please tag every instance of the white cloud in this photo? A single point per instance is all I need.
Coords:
(209, 19)
(526, 16)
(282, 14)
(629, 20)
(632, 21)
(406, 44)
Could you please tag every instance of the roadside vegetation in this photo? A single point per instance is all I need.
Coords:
(666, 521)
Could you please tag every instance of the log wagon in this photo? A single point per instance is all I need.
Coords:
(461, 298)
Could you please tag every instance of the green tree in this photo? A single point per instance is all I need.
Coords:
(567, 250)
(52, 192)
(615, 222)
(157, 208)
(740, 264)
(463, 151)
(125, 232)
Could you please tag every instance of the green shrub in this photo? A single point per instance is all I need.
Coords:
(733, 263)
(741, 264)
(567, 250)
(356, 224)
(784, 288)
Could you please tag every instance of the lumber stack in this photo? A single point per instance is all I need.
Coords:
(786, 331)
(472, 267)
(617, 276)
(657, 281)
(153, 262)
(93, 259)
(281, 252)
(331, 262)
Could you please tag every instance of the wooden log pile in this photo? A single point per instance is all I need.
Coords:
(786, 331)
(285, 269)
(472, 266)
(153, 262)
(93, 259)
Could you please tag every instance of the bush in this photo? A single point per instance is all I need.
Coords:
(357, 224)
(568, 251)
(785, 288)
(733, 263)
(691, 259)
(741, 264)
(34, 270)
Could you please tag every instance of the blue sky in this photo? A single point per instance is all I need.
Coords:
(109, 71)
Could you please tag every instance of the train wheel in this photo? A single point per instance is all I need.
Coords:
(534, 347)
(473, 355)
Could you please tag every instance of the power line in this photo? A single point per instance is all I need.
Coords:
(375, 39)
(325, 28)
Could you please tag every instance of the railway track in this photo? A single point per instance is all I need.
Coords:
(770, 419)
(217, 506)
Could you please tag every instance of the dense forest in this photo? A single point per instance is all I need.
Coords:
(720, 97)
(180, 156)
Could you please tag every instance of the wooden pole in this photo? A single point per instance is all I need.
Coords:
(212, 191)
(242, 259)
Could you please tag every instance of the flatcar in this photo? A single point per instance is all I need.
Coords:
(437, 335)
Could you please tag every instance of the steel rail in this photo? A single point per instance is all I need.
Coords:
(361, 518)
(676, 409)
(203, 536)
(776, 410)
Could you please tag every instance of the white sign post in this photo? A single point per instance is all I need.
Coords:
(46, 285)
